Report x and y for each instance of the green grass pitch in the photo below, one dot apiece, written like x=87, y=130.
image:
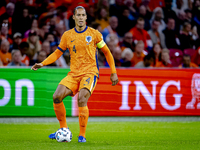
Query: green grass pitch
x=104, y=135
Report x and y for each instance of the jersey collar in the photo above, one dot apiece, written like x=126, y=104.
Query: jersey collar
x=81, y=31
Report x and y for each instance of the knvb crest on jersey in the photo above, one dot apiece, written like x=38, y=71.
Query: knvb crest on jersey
x=88, y=39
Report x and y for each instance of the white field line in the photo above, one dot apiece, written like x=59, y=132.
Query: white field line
x=99, y=119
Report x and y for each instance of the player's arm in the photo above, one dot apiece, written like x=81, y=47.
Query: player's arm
x=110, y=61
x=50, y=59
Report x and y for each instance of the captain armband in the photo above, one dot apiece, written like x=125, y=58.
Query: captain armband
x=101, y=44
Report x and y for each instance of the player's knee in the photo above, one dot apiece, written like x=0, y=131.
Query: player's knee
x=57, y=98
x=83, y=97
x=82, y=101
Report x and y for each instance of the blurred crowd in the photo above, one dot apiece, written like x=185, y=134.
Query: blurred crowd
x=139, y=33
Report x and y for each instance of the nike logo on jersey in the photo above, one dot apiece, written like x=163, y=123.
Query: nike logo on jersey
x=72, y=40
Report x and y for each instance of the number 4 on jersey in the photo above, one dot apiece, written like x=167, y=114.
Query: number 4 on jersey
x=74, y=49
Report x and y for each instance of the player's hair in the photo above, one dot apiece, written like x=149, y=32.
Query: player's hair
x=78, y=7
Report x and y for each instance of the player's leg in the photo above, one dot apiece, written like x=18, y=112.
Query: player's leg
x=67, y=86
x=59, y=108
x=83, y=97
x=87, y=86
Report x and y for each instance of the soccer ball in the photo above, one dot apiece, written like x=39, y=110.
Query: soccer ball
x=63, y=135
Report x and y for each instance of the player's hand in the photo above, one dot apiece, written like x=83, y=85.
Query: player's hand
x=36, y=66
x=114, y=79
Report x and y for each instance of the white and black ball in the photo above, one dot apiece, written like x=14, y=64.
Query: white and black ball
x=63, y=135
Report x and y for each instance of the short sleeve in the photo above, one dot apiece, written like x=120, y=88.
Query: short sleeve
x=63, y=42
x=99, y=40
x=99, y=37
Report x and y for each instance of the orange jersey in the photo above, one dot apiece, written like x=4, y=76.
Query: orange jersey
x=83, y=50
x=25, y=60
x=5, y=58
x=140, y=35
x=160, y=64
x=157, y=63
x=136, y=59
x=192, y=65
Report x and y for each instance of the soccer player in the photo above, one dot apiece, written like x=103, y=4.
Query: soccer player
x=82, y=42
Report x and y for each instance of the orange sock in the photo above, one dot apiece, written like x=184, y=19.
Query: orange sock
x=60, y=114
x=83, y=119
